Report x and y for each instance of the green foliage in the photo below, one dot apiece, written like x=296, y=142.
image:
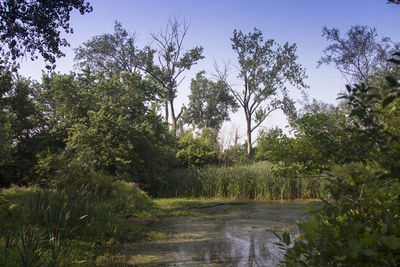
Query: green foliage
x=109, y=52
x=197, y=151
x=30, y=26
x=5, y=125
x=21, y=120
x=235, y=155
x=359, y=226
x=321, y=139
x=48, y=227
x=209, y=103
x=264, y=67
x=359, y=53
x=129, y=198
x=274, y=146
x=102, y=125
x=257, y=181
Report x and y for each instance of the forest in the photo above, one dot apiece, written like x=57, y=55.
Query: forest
x=87, y=157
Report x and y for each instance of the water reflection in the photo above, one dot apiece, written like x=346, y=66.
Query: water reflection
x=240, y=236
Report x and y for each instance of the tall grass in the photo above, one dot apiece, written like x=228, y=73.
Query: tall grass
x=45, y=227
x=256, y=181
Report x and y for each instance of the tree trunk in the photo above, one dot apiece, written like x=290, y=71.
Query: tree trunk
x=248, y=132
x=174, y=119
x=249, y=147
x=166, y=111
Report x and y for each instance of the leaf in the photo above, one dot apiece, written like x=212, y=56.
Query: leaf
x=355, y=246
x=391, y=242
x=286, y=238
x=83, y=217
x=309, y=229
x=370, y=252
x=341, y=258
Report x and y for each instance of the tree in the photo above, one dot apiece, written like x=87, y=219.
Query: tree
x=172, y=61
x=21, y=123
x=164, y=65
x=359, y=54
x=209, y=103
x=30, y=26
x=265, y=68
x=109, y=52
x=6, y=83
x=107, y=126
x=195, y=151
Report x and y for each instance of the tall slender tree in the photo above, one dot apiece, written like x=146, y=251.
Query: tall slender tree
x=265, y=68
x=172, y=60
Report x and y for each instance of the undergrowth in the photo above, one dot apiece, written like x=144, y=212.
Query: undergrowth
x=46, y=227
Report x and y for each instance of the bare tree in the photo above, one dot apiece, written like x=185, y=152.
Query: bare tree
x=168, y=61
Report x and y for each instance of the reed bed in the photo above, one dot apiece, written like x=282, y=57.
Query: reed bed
x=46, y=227
x=256, y=181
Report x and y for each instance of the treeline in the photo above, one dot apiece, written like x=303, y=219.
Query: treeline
x=115, y=118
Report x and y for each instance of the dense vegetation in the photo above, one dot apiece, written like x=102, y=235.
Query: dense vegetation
x=359, y=224
x=256, y=181
x=81, y=153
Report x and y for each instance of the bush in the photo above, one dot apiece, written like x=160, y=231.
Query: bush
x=360, y=227
x=197, y=151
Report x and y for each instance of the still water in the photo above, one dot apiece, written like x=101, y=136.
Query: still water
x=232, y=234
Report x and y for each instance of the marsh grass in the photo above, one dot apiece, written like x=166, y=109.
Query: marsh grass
x=256, y=181
x=46, y=227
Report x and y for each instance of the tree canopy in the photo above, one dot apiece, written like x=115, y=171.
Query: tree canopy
x=210, y=103
x=265, y=69
x=169, y=60
x=359, y=53
x=28, y=27
x=109, y=52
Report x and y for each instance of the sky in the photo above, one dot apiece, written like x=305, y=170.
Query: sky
x=211, y=26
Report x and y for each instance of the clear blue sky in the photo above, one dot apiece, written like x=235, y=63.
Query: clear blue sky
x=213, y=21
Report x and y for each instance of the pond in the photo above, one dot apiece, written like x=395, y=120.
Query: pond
x=226, y=234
